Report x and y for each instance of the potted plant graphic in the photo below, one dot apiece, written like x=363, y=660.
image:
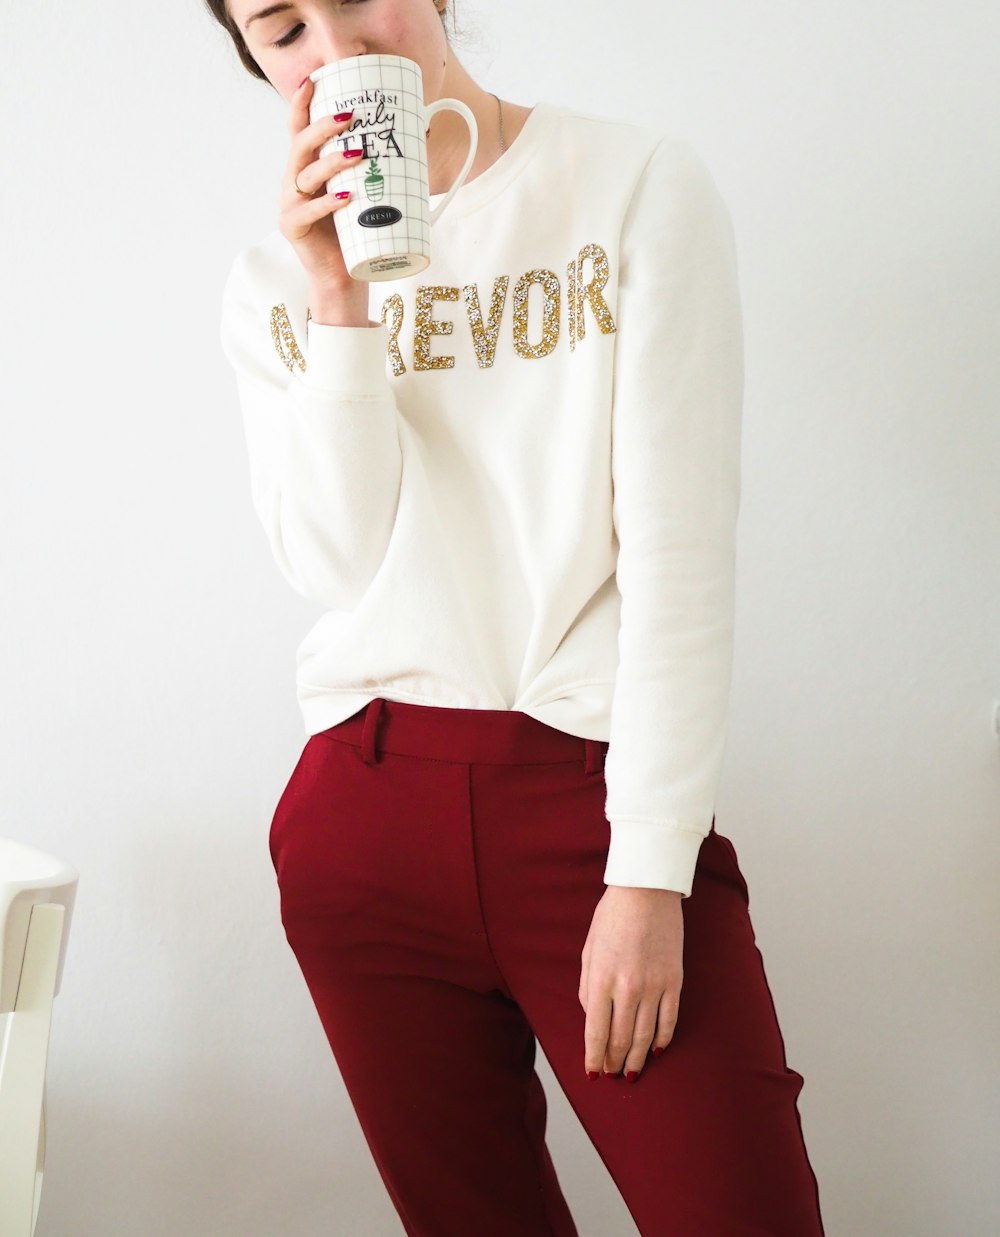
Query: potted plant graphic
x=374, y=181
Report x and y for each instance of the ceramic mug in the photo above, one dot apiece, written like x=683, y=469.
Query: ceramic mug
x=385, y=227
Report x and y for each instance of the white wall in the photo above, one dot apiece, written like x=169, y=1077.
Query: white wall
x=147, y=640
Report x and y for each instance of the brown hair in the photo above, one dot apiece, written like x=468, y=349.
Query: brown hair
x=220, y=11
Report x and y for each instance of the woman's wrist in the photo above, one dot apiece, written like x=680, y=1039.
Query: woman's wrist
x=330, y=305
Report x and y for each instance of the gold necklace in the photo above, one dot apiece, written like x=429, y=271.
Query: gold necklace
x=503, y=141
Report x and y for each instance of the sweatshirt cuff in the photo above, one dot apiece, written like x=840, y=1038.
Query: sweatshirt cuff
x=348, y=360
x=653, y=856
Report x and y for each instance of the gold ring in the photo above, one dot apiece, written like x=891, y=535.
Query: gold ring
x=295, y=182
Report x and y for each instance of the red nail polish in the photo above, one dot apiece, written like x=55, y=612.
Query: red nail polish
x=632, y=1075
x=657, y=1050
x=592, y=1073
x=303, y=82
x=343, y=116
x=608, y=1074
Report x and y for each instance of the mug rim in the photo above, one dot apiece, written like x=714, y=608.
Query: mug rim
x=326, y=69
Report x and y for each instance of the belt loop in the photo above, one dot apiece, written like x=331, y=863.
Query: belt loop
x=373, y=711
x=594, y=752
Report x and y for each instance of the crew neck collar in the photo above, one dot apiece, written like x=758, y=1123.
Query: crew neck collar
x=503, y=169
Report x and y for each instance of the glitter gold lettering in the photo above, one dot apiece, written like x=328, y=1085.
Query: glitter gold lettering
x=284, y=338
x=425, y=326
x=484, y=339
x=393, y=312
x=571, y=301
x=549, y=282
x=593, y=291
x=485, y=334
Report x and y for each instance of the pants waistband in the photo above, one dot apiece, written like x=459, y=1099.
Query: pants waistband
x=485, y=736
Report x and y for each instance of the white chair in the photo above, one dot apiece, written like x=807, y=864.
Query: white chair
x=36, y=905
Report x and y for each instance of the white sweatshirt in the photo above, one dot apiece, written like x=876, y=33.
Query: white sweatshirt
x=517, y=487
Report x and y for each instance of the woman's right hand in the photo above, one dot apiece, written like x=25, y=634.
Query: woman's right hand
x=307, y=223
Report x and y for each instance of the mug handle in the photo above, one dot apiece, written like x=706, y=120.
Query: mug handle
x=454, y=105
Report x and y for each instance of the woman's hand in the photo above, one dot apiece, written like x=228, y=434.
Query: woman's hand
x=306, y=222
x=631, y=979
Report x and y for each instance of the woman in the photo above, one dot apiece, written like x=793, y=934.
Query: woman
x=523, y=534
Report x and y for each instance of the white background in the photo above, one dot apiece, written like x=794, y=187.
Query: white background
x=147, y=640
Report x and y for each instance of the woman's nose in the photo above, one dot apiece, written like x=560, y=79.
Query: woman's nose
x=332, y=46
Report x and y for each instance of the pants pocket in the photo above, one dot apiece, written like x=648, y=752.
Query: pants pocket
x=290, y=801
x=732, y=862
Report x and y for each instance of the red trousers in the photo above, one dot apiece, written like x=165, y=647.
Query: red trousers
x=438, y=871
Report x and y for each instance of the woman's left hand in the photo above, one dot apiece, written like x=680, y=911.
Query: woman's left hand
x=631, y=978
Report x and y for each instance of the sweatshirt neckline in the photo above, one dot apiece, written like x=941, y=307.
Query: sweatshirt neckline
x=503, y=169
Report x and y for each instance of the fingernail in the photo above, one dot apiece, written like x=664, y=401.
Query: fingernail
x=343, y=116
x=608, y=1074
x=303, y=82
x=657, y=1050
x=632, y=1075
x=592, y=1074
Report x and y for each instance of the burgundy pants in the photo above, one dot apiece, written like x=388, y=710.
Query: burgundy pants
x=438, y=871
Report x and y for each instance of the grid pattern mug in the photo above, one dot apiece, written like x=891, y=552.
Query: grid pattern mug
x=385, y=228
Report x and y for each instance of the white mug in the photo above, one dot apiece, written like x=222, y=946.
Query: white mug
x=385, y=227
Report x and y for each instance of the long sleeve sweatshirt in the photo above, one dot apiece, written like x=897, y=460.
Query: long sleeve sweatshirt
x=517, y=487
